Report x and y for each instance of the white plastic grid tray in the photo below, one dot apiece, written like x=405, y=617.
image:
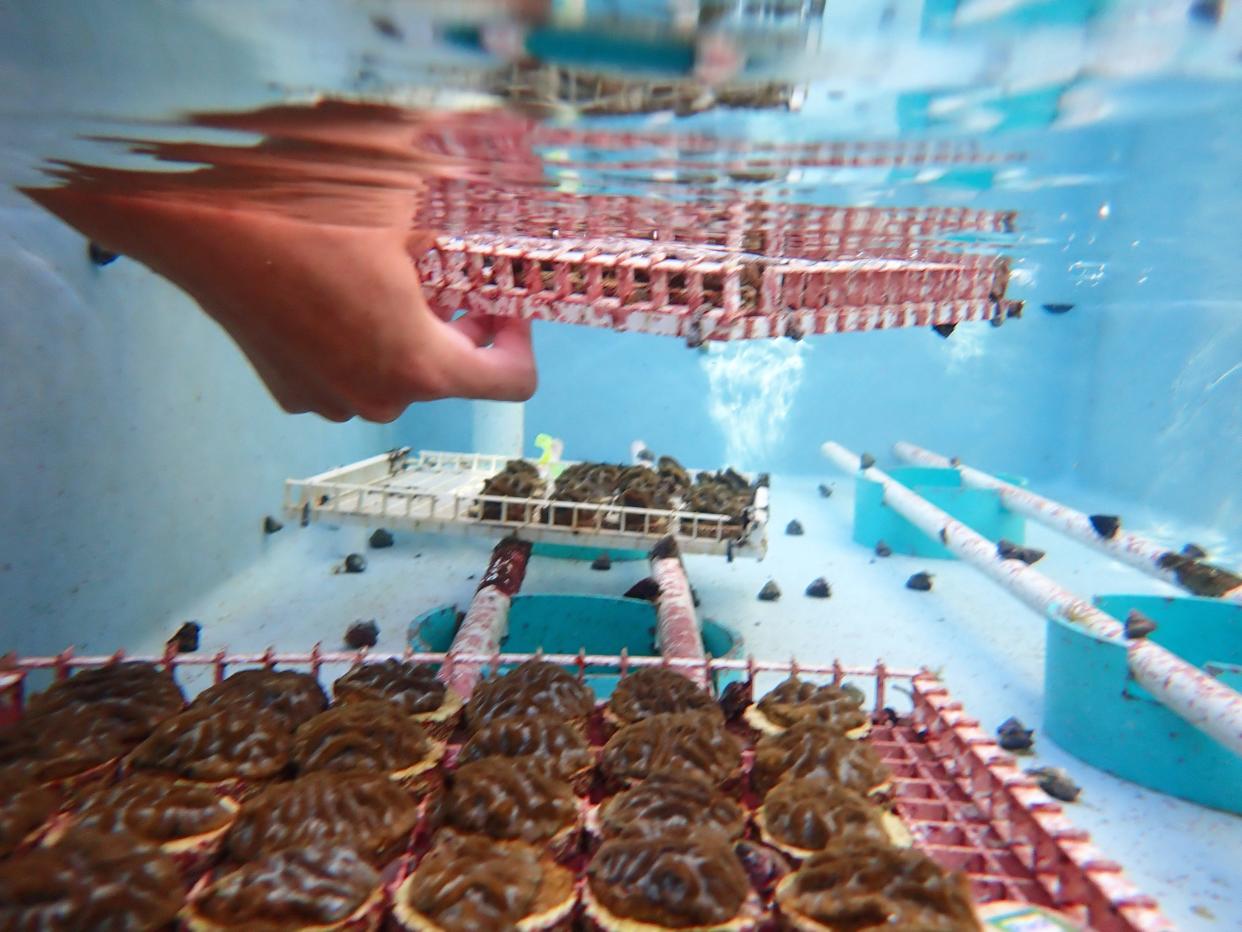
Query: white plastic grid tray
x=442, y=493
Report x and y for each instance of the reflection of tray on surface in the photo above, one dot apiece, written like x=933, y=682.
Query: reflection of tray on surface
x=441, y=492
x=965, y=801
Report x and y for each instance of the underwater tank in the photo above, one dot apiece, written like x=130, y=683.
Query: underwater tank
x=891, y=347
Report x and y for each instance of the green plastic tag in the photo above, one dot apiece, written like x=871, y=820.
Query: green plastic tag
x=1023, y=917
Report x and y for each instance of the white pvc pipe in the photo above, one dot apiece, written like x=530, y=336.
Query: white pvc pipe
x=1128, y=548
x=1204, y=702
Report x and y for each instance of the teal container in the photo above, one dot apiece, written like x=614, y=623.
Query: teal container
x=1095, y=710
x=979, y=509
x=586, y=554
x=563, y=624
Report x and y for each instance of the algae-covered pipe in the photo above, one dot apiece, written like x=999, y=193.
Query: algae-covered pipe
x=678, y=635
x=1195, y=576
x=487, y=619
x=1204, y=702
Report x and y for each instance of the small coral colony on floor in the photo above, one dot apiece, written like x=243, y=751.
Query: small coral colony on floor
x=264, y=804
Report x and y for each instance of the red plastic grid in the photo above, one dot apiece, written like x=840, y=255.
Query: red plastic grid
x=1017, y=836
x=511, y=243
x=964, y=799
x=700, y=293
x=707, y=270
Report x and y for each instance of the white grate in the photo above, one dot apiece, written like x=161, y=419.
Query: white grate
x=442, y=492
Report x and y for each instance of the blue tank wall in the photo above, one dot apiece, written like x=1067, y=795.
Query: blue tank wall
x=1165, y=423
x=140, y=452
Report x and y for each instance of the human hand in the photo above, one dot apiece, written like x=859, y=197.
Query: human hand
x=332, y=318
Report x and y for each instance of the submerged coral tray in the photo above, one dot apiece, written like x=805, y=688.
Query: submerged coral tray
x=587, y=504
x=559, y=795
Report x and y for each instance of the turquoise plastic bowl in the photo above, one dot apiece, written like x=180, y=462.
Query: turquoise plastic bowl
x=978, y=509
x=1095, y=710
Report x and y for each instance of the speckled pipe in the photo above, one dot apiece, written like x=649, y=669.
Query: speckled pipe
x=1204, y=702
x=487, y=619
x=1129, y=548
x=678, y=635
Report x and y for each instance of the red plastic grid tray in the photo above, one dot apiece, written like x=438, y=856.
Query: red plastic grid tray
x=700, y=293
x=726, y=261
x=964, y=799
x=708, y=270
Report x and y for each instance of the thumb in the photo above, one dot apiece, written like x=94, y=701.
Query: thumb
x=418, y=241
x=504, y=371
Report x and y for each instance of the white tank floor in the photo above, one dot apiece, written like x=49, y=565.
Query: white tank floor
x=987, y=647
